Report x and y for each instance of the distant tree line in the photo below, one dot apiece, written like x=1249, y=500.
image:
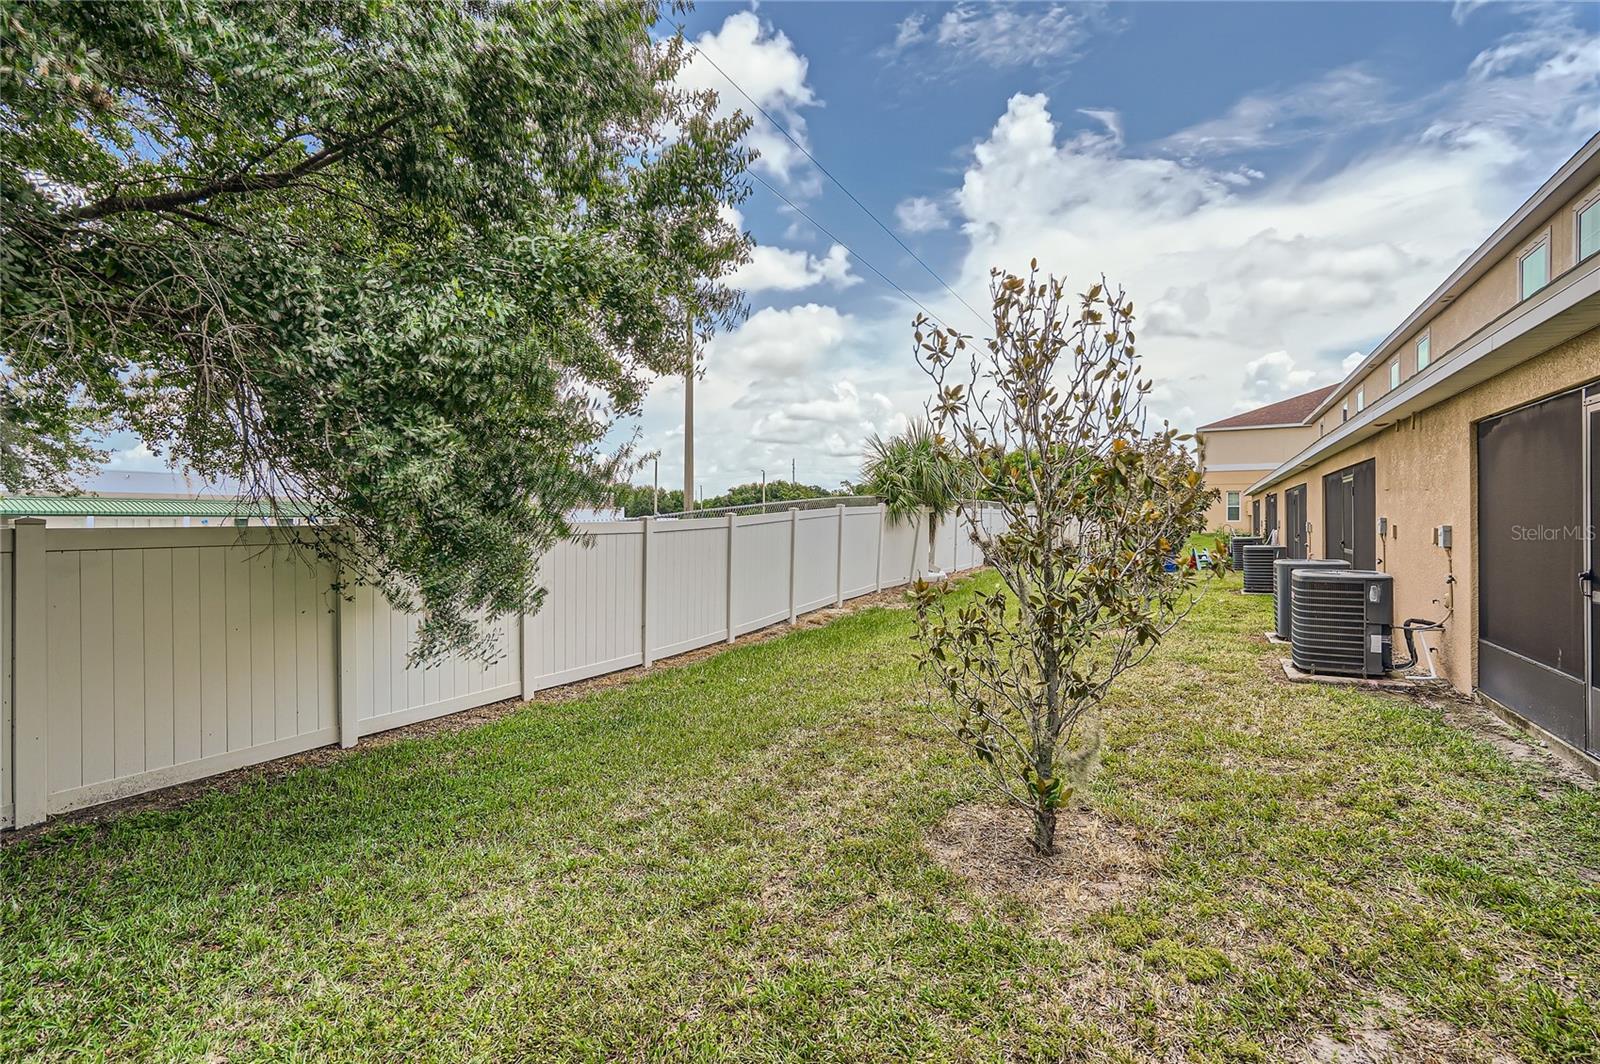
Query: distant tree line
x=639, y=500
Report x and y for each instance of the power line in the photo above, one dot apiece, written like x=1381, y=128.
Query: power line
x=863, y=260
x=829, y=174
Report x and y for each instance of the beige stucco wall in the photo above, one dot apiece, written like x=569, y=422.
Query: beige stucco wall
x=1224, y=482
x=1267, y=448
x=1257, y=451
x=1490, y=296
x=1426, y=469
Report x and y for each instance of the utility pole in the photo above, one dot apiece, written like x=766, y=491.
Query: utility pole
x=763, y=491
x=792, y=478
x=655, y=494
x=688, y=420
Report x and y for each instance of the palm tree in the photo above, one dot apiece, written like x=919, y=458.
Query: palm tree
x=910, y=471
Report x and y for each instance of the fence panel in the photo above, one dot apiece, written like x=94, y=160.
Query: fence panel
x=904, y=549
x=688, y=597
x=966, y=550
x=816, y=559
x=944, y=549
x=862, y=528
x=592, y=619
x=173, y=655
x=136, y=658
x=761, y=557
x=389, y=692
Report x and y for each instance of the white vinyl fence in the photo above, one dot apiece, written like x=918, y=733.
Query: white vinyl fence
x=137, y=658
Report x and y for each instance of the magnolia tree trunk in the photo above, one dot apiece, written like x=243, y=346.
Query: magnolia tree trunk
x=1047, y=418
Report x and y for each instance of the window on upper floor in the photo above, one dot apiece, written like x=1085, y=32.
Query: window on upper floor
x=1424, y=351
x=1233, y=506
x=1394, y=374
x=1533, y=269
x=1589, y=228
x=1344, y=411
x=1361, y=399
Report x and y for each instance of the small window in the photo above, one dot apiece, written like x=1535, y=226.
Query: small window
x=1361, y=399
x=1233, y=506
x=1534, y=267
x=1394, y=374
x=1344, y=411
x=1424, y=351
x=1589, y=229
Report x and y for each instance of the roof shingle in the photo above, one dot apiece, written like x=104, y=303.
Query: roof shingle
x=1291, y=411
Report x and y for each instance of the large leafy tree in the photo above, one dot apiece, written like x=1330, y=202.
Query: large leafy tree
x=402, y=263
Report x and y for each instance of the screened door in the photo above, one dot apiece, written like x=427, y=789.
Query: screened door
x=1533, y=598
x=1272, y=517
x=1349, y=515
x=1294, y=521
x=1255, y=517
x=1589, y=586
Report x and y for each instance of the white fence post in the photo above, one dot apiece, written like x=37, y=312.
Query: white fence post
x=344, y=688
x=649, y=526
x=877, y=579
x=524, y=655
x=794, y=539
x=30, y=773
x=838, y=570
x=732, y=524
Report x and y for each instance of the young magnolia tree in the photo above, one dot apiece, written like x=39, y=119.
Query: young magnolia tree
x=1050, y=415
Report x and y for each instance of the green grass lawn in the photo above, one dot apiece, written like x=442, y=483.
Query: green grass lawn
x=731, y=860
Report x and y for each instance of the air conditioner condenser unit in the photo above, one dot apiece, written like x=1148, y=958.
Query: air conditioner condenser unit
x=1342, y=622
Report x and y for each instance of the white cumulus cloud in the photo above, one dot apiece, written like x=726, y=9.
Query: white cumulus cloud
x=763, y=62
x=920, y=214
x=787, y=270
x=1276, y=375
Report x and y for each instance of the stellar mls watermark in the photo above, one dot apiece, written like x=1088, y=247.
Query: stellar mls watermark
x=1551, y=533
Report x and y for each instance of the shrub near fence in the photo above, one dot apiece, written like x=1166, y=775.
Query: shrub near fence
x=137, y=658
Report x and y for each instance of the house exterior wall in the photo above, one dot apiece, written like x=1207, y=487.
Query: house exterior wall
x=1490, y=296
x=1234, y=459
x=1426, y=475
x=1224, y=482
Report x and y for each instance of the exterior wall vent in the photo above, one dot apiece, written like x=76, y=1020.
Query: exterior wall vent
x=1258, y=559
x=1283, y=571
x=1341, y=621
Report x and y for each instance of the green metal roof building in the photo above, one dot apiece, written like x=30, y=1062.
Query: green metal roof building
x=92, y=506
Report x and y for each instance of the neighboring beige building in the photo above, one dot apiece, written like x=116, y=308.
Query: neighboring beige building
x=1237, y=451
x=1463, y=457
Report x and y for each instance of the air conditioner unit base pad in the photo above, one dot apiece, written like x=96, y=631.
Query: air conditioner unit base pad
x=1393, y=682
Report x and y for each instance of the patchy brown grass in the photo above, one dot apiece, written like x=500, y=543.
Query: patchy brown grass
x=1096, y=865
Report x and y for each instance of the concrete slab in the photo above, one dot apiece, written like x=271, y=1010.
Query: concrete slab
x=1392, y=682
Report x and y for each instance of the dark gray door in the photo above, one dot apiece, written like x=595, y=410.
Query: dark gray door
x=1532, y=653
x=1349, y=515
x=1272, y=516
x=1255, y=517
x=1589, y=585
x=1294, y=521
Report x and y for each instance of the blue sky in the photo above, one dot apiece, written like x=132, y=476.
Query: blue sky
x=1276, y=185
